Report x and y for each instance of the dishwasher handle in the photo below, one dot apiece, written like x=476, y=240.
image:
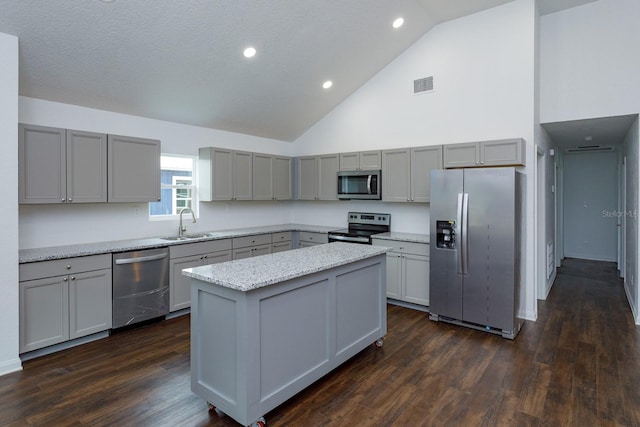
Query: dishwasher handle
x=140, y=259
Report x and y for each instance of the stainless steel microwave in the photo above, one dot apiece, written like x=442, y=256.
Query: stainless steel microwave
x=364, y=185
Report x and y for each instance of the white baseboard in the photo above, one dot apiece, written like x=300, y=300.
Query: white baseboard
x=10, y=366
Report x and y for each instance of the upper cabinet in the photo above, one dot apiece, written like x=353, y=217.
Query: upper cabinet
x=271, y=177
x=406, y=173
x=134, y=169
x=317, y=177
x=72, y=166
x=362, y=160
x=61, y=166
x=504, y=152
x=225, y=174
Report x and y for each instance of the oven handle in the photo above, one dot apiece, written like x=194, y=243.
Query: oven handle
x=349, y=239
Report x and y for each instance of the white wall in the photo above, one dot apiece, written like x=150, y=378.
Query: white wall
x=9, y=360
x=52, y=225
x=632, y=267
x=483, y=68
x=589, y=61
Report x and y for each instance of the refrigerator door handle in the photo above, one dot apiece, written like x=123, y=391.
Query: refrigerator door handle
x=459, y=232
x=465, y=234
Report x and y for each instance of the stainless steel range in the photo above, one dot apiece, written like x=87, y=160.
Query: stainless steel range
x=361, y=227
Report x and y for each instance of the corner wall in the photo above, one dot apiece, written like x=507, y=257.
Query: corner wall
x=632, y=267
x=9, y=359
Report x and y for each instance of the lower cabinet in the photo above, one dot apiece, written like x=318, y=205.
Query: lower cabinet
x=188, y=256
x=308, y=238
x=407, y=271
x=56, y=307
x=281, y=242
x=250, y=246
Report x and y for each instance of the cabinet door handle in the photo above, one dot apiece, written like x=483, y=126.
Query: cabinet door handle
x=73, y=277
x=205, y=257
x=62, y=200
x=68, y=267
x=65, y=279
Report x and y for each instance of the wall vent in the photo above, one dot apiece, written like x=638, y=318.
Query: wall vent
x=589, y=148
x=424, y=85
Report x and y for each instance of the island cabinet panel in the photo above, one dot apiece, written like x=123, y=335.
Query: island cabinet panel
x=252, y=350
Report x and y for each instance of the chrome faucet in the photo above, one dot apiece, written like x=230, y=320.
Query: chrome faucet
x=183, y=228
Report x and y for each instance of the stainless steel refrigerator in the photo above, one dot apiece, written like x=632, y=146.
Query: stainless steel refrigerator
x=475, y=248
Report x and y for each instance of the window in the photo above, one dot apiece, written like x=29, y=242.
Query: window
x=177, y=189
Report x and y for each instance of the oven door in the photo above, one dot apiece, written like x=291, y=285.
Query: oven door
x=359, y=185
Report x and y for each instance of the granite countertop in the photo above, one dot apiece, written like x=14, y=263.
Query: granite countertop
x=404, y=237
x=252, y=273
x=85, y=249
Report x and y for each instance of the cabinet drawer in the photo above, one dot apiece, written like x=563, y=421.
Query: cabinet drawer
x=190, y=249
x=257, y=239
x=61, y=267
x=284, y=236
x=306, y=236
x=403, y=247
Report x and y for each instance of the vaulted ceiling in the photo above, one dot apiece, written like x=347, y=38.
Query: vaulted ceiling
x=182, y=60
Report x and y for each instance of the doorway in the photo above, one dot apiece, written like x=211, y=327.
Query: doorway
x=590, y=202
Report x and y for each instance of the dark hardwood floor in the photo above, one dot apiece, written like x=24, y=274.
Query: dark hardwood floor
x=578, y=365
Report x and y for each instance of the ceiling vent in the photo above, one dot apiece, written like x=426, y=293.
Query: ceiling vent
x=424, y=85
x=582, y=148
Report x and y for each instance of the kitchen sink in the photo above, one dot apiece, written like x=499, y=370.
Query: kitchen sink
x=187, y=236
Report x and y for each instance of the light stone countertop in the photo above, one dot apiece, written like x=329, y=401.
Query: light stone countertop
x=252, y=273
x=85, y=249
x=404, y=237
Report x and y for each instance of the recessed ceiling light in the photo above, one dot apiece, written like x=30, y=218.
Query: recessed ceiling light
x=327, y=84
x=249, y=52
x=107, y=1
x=398, y=23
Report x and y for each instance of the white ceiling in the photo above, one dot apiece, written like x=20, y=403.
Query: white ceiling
x=181, y=60
x=598, y=132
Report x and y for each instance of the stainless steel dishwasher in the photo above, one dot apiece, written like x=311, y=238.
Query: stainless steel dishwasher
x=140, y=286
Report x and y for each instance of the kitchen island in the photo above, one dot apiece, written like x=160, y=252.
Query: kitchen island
x=264, y=328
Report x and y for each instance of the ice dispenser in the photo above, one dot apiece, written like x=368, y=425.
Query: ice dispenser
x=446, y=234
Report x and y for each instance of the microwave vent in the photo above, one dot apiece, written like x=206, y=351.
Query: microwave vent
x=424, y=85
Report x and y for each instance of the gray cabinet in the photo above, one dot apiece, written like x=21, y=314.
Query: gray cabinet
x=188, y=256
x=250, y=246
x=362, y=160
x=407, y=271
x=61, y=166
x=64, y=299
x=406, y=173
x=224, y=174
x=281, y=242
x=308, y=238
x=503, y=152
x=271, y=177
x=134, y=169
x=282, y=183
x=317, y=177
